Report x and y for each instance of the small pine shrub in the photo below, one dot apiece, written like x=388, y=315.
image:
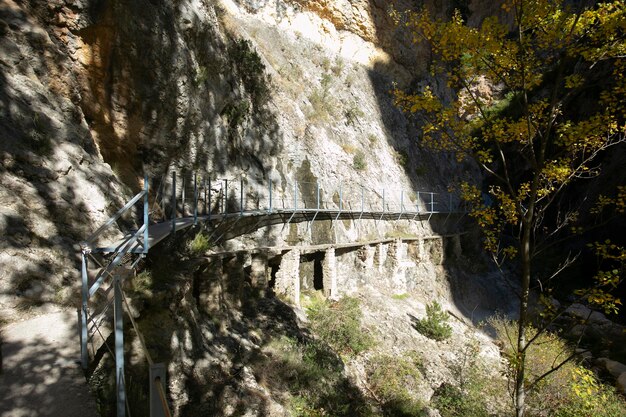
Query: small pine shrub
x=143, y=283
x=395, y=380
x=339, y=325
x=402, y=296
x=450, y=401
x=358, y=161
x=435, y=325
x=200, y=244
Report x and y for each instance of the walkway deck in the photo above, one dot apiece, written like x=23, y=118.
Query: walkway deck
x=41, y=376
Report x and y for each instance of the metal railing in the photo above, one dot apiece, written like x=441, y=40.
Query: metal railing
x=206, y=199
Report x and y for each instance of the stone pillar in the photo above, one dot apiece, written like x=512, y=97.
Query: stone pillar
x=421, y=254
x=380, y=256
x=209, y=286
x=259, y=272
x=288, y=276
x=329, y=274
x=366, y=255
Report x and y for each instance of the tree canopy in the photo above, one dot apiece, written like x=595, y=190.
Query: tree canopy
x=554, y=72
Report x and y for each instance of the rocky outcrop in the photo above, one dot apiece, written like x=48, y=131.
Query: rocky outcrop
x=53, y=184
x=94, y=94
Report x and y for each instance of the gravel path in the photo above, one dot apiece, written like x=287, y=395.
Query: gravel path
x=40, y=375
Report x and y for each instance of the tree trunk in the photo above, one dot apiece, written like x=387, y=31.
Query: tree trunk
x=520, y=389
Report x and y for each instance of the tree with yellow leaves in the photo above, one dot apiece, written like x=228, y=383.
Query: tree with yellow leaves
x=533, y=143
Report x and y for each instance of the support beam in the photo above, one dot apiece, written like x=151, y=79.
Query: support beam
x=288, y=276
x=84, y=353
x=119, y=348
x=329, y=274
x=157, y=386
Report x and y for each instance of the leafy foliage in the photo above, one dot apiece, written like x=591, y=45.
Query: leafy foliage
x=251, y=69
x=557, y=385
x=338, y=323
x=200, y=244
x=313, y=374
x=394, y=380
x=536, y=145
x=435, y=325
x=358, y=161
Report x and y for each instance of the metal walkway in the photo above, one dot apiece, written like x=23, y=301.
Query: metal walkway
x=221, y=204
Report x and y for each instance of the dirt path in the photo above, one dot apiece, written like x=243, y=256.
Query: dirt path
x=40, y=374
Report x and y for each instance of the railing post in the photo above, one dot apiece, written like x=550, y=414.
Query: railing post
x=295, y=195
x=205, y=193
x=318, y=195
x=157, y=383
x=383, y=213
x=210, y=208
x=195, y=198
x=174, y=202
x=225, y=197
x=182, y=212
x=362, y=202
x=401, y=204
x=432, y=202
x=146, y=220
x=241, y=197
x=119, y=348
x=340, y=197
x=84, y=353
x=270, y=202
x=418, y=201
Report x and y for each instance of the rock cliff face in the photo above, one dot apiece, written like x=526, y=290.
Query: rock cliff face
x=94, y=93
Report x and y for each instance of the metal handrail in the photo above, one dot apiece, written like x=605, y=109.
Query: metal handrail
x=87, y=242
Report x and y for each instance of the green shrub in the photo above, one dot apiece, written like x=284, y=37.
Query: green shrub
x=450, y=401
x=474, y=387
x=143, y=283
x=402, y=296
x=339, y=324
x=358, y=161
x=572, y=390
x=200, y=244
x=313, y=375
x=251, y=70
x=352, y=114
x=435, y=325
x=394, y=380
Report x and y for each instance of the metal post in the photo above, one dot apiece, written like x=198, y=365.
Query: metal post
x=417, y=206
x=362, y=202
x=173, y=202
x=205, y=195
x=225, y=201
x=340, y=197
x=241, y=197
x=84, y=354
x=401, y=204
x=146, y=220
x=119, y=347
x=195, y=199
x=432, y=202
x=318, y=195
x=182, y=209
x=295, y=195
x=157, y=383
x=270, y=187
x=383, y=213
x=210, y=208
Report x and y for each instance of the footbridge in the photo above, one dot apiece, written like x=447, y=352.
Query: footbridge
x=226, y=208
